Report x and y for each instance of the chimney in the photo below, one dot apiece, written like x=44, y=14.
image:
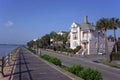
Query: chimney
x=85, y=19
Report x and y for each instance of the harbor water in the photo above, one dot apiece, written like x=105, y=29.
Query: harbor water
x=5, y=48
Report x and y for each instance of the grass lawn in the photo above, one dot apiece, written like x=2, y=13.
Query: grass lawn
x=112, y=64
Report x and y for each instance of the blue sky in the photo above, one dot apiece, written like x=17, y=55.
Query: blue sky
x=24, y=20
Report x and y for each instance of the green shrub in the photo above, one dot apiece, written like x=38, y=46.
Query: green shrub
x=77, y=49
x=52, y=59
x=46, y=57
x=86, y=74
x=112, y=64
x=75, y=69
x=116, y=56
x=55, y=61
x=69, y=50
x=90, y=74
x=33, y=51
x=51, y=47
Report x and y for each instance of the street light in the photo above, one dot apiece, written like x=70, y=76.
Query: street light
x=35, y=45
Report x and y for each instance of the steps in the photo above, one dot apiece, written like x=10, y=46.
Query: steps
x=82, y=52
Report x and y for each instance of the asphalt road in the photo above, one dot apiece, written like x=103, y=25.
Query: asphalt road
x=30, y=67
x=108, y=73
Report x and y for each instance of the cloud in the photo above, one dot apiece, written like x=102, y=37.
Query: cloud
x=8, y=24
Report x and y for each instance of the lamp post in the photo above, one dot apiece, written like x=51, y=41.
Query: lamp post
x=98, y=41
x=35, y=45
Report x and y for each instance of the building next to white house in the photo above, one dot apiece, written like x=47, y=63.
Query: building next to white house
x=85, y=35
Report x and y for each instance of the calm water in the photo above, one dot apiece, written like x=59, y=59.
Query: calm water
x=4, y=49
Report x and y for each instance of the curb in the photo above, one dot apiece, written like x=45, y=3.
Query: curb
x=66, y=73
x=14, y=67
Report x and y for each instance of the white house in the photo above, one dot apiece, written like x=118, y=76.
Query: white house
x=85, y=35
x=61, y=32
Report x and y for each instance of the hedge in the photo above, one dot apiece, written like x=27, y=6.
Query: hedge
x=90, y=74
x=85, y=73
x=75, y=69
x=52, y=59
x=33, y=51
x=116, y=56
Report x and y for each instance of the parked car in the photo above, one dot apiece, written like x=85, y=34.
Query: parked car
x=102, y=52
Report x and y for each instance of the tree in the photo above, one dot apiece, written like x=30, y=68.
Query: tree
x=31, y=44
x=45, y=41
x=118, y=38
x=114, y=24
x=103, y=24
x=118, y=44
x=64, y=40
x=55, y=36
x=111, y=38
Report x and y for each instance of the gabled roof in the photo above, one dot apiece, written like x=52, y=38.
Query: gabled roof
x=87, y=26
x=74, y=24
x=77, y=24
x=84, y=26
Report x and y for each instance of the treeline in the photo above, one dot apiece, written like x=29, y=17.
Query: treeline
x=54, y=41
x=45, y=41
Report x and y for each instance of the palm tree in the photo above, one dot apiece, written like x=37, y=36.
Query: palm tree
x=115, y=23
x=111, y=38
x=103, y=24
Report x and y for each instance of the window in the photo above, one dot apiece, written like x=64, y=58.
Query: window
x=74, y=29
x=75, y=44
x=85, y=35
x=96, y=45
x=75, y=36
x=101, y=45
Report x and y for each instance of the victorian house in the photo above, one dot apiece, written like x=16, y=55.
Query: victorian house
x=85, y=35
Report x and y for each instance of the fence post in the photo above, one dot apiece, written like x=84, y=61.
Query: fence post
x=2, y=67
x=8, y=59
x=39, y=52
x=10, y=55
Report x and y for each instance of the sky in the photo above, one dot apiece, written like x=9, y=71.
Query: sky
x=24, y=20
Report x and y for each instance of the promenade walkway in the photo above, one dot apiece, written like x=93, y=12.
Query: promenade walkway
x=29, y=67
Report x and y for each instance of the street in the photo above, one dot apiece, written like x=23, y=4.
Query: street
x=108, y=73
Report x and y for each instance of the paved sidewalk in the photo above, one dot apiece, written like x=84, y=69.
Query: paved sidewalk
x=29, y=67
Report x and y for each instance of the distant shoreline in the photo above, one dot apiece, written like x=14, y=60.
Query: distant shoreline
x=12, y=44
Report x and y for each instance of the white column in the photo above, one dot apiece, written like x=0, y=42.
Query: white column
x=78, y=32
x=88, y=48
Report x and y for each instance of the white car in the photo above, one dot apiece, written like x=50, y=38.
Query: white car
x=102, y=52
